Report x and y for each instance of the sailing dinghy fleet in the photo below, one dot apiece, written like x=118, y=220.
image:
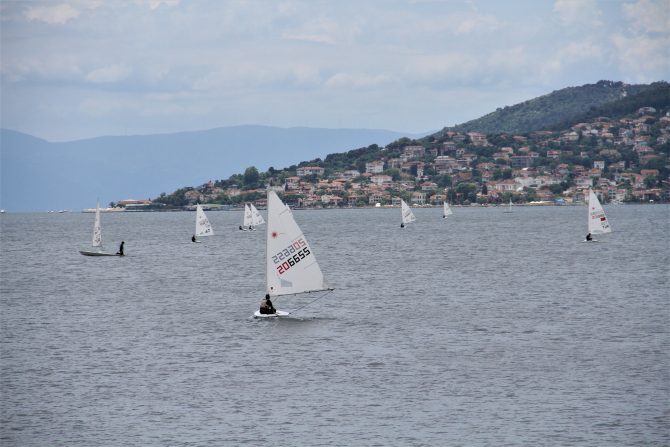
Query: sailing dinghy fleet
x=291, y=266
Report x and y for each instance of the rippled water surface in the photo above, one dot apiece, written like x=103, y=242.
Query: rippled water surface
x=484, y=329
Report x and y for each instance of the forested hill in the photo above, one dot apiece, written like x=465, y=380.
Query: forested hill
x=657, y=96
x=548, y=111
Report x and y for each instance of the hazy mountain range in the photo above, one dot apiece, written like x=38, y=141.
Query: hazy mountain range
x=37, y=175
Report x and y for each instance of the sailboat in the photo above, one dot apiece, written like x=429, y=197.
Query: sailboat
x=447, y=211
x=407, y=214
x=598, y=223
x=291, y=266
x=202, y=225
x=248, y=219
x=256, y=217
x=509, y=207
x=97, y=238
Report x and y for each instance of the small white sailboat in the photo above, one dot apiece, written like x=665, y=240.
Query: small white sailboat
x=407, y=214
x=509, y=207
x=256, y=217
x=447, y=211
x=202, y=225
x=247, y=222
x=291, y=266
x=598, y=223
x=97, y=238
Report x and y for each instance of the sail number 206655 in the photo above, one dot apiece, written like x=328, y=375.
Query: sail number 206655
x=291, y=255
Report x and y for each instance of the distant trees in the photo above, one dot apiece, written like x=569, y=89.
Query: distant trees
x=251, y=177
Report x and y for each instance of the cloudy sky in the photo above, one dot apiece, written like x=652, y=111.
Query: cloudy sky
x=81, y=68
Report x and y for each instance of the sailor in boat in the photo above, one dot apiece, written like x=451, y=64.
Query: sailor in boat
x=241, y=228
x=251, y=228
x=266, y=306
x=588, y=237
x=193, y=238
x=402, y=225
x=120, y=252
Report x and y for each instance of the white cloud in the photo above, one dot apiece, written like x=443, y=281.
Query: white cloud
x=53, y=15
x=642, y=59
x=357, y=80
x=573, y=12
x=109, y=74
x=572, y=53
x=323, y=31
x=155, y=4
x=649, y=16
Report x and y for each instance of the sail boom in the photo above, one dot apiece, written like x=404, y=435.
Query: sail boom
x=328, y=289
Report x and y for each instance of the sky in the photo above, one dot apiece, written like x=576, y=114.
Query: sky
x=74, y=69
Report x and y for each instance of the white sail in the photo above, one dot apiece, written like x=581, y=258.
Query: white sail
x=202, y=225
x=291, y=264
x=598, y=223
x=509, y=207
x=256, y=217
x=97, y=228
x=407, y=215
x=248, y=218
x=447, y=211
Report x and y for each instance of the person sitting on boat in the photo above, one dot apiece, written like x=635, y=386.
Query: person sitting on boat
x=588, y=237
x=402, y=225
x=251, y=228
x=266, y=306
x=193, y=238
x=241, y=228
x=120, y=252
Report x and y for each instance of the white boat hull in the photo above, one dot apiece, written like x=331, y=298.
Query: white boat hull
x=280, y=313
x=97, y=253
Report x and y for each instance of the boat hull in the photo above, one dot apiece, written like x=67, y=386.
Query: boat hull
x=280, y=313
x=97, y=253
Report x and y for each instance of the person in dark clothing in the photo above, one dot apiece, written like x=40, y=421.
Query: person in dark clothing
x=241, y=227
x=193, y=238
x=266, y=306
x=588, y=237
x=402, y=225
x=120, y=252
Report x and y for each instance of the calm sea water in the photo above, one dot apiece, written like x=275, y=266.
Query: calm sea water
x=484, y=329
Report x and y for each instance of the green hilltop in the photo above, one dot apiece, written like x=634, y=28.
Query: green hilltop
x=549, y=111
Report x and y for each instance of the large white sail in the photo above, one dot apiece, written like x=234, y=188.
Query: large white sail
x=202, y=225
x=97, y=229
x=407, y=214
x=598, y=223
x=291, y=264
x=256, y=217
x=447, y=211
x=248, y=218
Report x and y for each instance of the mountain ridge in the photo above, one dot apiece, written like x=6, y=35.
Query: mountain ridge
x=40, y=175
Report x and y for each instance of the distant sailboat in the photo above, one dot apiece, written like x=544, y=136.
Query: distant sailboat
x=291, y=266
x=509, y=207
x=247, y=220
x=96, y=241
x=447, y=211
x=202, y=225
x=407, y=215
x=256, y=217
x=598, y=223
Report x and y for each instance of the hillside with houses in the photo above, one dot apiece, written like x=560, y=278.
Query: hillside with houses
x=624, y=157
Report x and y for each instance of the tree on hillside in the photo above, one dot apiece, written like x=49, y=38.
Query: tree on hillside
x=251, y=176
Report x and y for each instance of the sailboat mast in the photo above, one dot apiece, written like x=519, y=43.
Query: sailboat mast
x=267, y=239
